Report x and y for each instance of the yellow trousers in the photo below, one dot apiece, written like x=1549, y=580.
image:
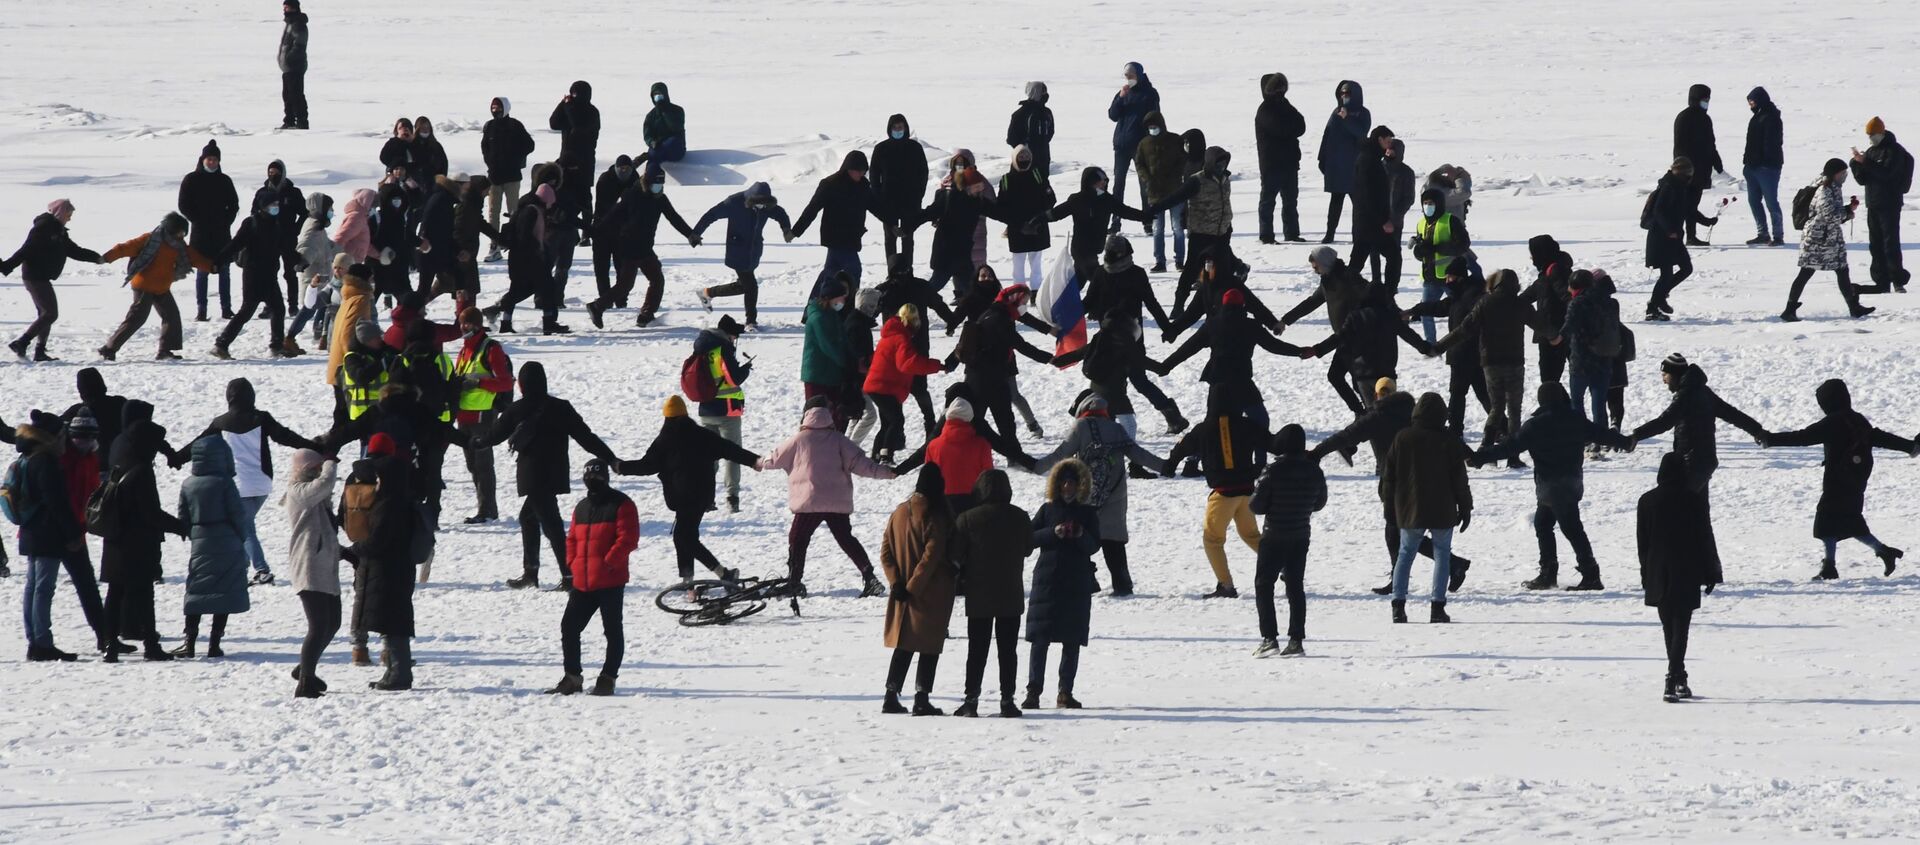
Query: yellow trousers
x=1213, y=535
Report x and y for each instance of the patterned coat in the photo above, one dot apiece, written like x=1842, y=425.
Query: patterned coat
x=1823, y=246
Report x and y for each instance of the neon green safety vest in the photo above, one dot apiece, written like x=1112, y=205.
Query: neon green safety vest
x=445, y=366
x=1438, y=232
x=724, y=385
x=360, y=395
x=476, y=398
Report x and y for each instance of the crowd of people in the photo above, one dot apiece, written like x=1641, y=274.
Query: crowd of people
x=407, y=392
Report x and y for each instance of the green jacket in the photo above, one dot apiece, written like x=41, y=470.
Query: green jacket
x=823, y=353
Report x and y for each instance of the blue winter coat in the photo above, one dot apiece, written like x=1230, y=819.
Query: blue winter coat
x=1060, y=606
x=1340, y=141
x=210, y=506
x=1129, y=111
x=744, y=239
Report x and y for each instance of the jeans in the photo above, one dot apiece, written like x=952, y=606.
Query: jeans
x=839, y=260
x=670, y=148
x=1592, y=378
x=1763, y=198
x=1285, y=185
x=1872, y=542
x=36, y=603
x=1431, y=292
x=1001, y=633
x=1037, y=666
x=250, y=537
x=1027, y=269
x=226, y=290
x=1675, y=624
x=1122, y=159
x=1179, y=215
x=1442, y=560
x=800, y=534
x=728, y=427
x=1282, y=559
x=581, y=606
x=1213, y=533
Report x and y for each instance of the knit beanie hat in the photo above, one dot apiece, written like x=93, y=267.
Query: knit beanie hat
x=675, y=407
x=961, y=410
x=1675, y=364
x=1323, y=257
x=1876, y=126
x=60, y=206
x=213, y=149
x=381, y=445
x=729, y=326
x=84, y=425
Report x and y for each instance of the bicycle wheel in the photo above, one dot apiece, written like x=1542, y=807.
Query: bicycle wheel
x=690, y=597
x=722, y=614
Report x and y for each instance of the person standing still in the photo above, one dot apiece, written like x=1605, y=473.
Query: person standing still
x=293, y=66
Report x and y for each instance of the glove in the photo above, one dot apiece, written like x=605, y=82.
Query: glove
x=1761, y=439
x=1708, y=589
x=386, y=256
x=949, y=366
x=899, y=593
x=1466, y=519
x=789, y=237
x=470, y=381
x=693, y=241
x=1347, y=454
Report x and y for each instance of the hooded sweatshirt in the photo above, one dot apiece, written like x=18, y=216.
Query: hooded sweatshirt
x=1766, y=138
x=505, y=145
x=1693, y=137
x=665, y=120
x=578, y=122
x=246, y=430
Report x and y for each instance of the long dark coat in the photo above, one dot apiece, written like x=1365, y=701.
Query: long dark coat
x=1849, y=441
x=1060, y=607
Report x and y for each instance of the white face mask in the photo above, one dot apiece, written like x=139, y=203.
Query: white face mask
x=1129, y=83
x=1428, y=209
x=1021, y=309
x=395, y=203
x=897, y=134
x=1153, y=130
x=1877, y=137
x=659, y=98
x=1703, y=105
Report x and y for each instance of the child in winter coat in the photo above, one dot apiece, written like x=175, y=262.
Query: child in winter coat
x=217, y=566
x=820, y=464
x=1288, y=494
x=991, y=541
x=326, y=266
x=605, y=531
x=914, y=554
x=1060, y=609
x=313, y=560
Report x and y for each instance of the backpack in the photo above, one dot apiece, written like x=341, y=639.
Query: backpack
x=1099, y=456
x=13, y=494
x=1606, y=337
x=1627, y=351
x=694, y=380
x=1646, y=210
x=1803, y=205
x=356, y=510
x=103, y=509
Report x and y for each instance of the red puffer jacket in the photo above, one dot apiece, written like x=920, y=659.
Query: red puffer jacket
x=82, y=471
x=606, y=528
x=962, y=455
x=896, y=362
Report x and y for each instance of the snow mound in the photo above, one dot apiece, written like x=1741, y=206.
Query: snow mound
x=61, y=114
x=216, y=129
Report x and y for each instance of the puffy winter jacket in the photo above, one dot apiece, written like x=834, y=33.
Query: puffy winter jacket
x=43, y=257
x=820, y=463
x=962, y=454
x=896, y=362
x=605, y=530
x=210, y=506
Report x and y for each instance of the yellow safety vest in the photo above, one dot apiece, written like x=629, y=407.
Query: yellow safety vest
x=724, y=385
x=1438, y=232
x=360, y=395
x=476, y=398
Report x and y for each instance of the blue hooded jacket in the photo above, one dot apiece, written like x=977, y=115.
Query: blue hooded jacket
x=1130, y=109
x=745, y=241
x=210, y=506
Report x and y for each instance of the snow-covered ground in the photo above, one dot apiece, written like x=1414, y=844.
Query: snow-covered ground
x=1535, y=717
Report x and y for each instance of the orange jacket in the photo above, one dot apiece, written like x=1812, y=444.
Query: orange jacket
x=157, y=277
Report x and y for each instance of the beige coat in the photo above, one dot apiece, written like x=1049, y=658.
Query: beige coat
x=914, y=552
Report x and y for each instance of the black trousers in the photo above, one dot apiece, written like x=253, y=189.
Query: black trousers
x=1335, y=203
x=998, y=632
x=800, y=535
x=1115, y=552
x=46, y=310
x=1670, y=277
x=687, y=547
x=899, y=239
x=80, y=571
x=219, y=630
x=323, y=621
x=256, y=293
x=1691, y=199
x=581, y=606
x=1282, y=559
x=540, y=514
x=1567, y=516
x=129, y=610
x=1370, y=245
x=1883, y=243
x=924, y=399
x=603, y=279
x=1553, y=362
x=293, y=97
x=1286, y=186
x=893, y=423
x=1844, y=277
x=747, y=287
x=1460, y=379
x=480, y=466
x=1675, y=623
x=922, y=680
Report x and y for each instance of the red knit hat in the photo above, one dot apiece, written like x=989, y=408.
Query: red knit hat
x=1236, y=298
x=381, y=445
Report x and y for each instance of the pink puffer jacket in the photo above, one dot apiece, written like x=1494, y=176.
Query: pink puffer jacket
x=353, y=236
x=820, y=464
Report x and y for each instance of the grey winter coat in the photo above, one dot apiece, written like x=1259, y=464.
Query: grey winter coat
x=293, y=44
x=1104, y=447
x=1823, y=246
x=210, y=506
x=313, y=556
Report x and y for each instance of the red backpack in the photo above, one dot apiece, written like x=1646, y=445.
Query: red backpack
x=694, y=380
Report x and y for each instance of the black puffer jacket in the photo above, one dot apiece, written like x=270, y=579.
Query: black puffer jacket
x=538, y=427
x=683, y=455
x=1277, y=127
x=1766, y=137
x=1232, y=451
x=1500, y=321
x=210, y=204
x=842, y=205
x=578, y=122
x=1092, y=211
x=43, y=257
x=899, y=173
x=1693, y=138
x=1692, y=416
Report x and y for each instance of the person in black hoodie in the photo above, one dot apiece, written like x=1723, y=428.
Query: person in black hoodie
x=1277, y=127
x=393, y=224
x=292, y=217
x=430, y=158
x=247, y=431
x=607, y=190
x=900, y=179
x=1092, y=210
x=1289, y=492
x=538, y=428
x=259, y=238
x=529, y=267
x=1761, y=164
x=1557, y=436
x=1549, y=296
x=398, y=151
x=1678, y=558
x=577, y=120
x=504, y=147
x=986, y=347
x=41, y=260
x=1120, y=289
x=684, y=455
x=1365, y=342
x=1025, y=193
x=1465, y=287
x=1340, y=144
x=1692, y=416
x=130, y=554
x=1032, y=127
x=634, y=223
x=1232, y=447
x=1374, y=232
x=292, y=58
x=1668, y=214
x=1849, y=440
x=1885, y=170
x=842, y=201
x=107, y=409
x=209, y=202
x=1693, y=141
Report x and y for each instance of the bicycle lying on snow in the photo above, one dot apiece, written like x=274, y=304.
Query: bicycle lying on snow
x=719, y=602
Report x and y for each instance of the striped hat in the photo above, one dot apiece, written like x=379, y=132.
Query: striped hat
x=1675, y=363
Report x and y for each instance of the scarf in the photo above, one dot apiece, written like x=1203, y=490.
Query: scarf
x=149, y=250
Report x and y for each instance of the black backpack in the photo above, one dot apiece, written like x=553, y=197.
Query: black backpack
x=1607, y=342
x=1646, y=210
x=103, y=509
x=1803, y=205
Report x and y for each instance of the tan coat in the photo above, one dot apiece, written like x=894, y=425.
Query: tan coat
x=914, y=553
x=356, y=305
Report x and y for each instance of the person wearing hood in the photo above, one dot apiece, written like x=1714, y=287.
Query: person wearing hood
x=293, y=65
x=1277, y=127
x=216, y=525
x=209, y=202
x=1617, y=385
x=1066, y=530
x=384, y=575
x=725, y=413
x=577, y=120
x=665, y=128
x=1342, y=291
x=1692, y=416
x=607, y=191
x=292, y=217
x=979, y=299
x=1032, y=127
x=430, y=159
x=1206, y=202
x=1232, y=447
x=1162, y=162
x=539, y=426
x=1092, y=209
x=326, y=265
x=1024, y=194
x=990, y=545
x=1365, y=343
x=133, y=526
x=1678, y=561
x=1375, y=232
x=1340, y=147
x=1885, y=171
x=49, y=533
x=398, y=151
x=604, y=534
x=1761, y=165
x=355, y=233
x=1591, y=339
x=394, y=229
x=916, y=557
x=469, y=223
x=684, y=455
x=1464, y=289
x=1455, y=184
x=483, y=374
x=820, y=464
x=107, y=410
x=529, y=263
x=156, y=261
x=504, y=147
x=441, y=269
x=1440, y=239
x=1136, y=99
x=356, y=307
x=41, y=259
x=1290, y=491
x=896, y=363
x=962, y=451
x=1499, y=321
x=987, y=346
x=900, y=181
x=1230, y=335
x=364, y=371
x=261, y=249
x=633, y=224
x=1848, y=440
x=746, y=214
x=1425, y=479
x=1693, y=141
x=1667, y=215
x=1117, y=356
x=1549, y=294
x=824, y=359
x=842, y=201
x=1103, y=440
x=313, y=560
x=1557, y=436
x=247, y=431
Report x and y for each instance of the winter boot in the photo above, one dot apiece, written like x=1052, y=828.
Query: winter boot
x=1457, y=573
x=1760, y=240
x=1589, y=580
x=1668, y=695
x=1890, y=556
x=318, y=684
x=1032, y=701
x=1294, y=648
x=1175, y=422
x=602, y=686
x=1682, y=691
x=526, y=580
x=890, y=705
x=506, y=325
x=873, y=587
x=1007, y=710
x=1065, y=701
x=641, y=321
x=594, y=312
x=1384, y=589
x=361, y=657
x=19, y=348
x=924, y=707
x=550, y=326
x=1792, y=314
x=569, y=685
x=733, y=504
x=220, y=352
x=1438, y=613
x=1827, y=572
x=113, y=646
x=155, y=652
x=40, y=355
x=1857, y=311
x=1268, y=648
x=290, y=348
x=1548, y=578
x=969, y=708
x=185, y=649
x=1222, y=591
x=1399, y=611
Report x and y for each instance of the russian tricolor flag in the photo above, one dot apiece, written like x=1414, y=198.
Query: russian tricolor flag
x=1059, y=303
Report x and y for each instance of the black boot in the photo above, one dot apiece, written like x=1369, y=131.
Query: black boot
x=1890, y=556
x=1032, y=701
x=969, y=708
x=1457, y=573
x=1065, y=701
x=602, y=686
x=570, y=684
x=1792, y=314
x=156, y=652
x=318, y=684
x=1175, y=422
x=873, y=587
x=1548, y=578
x=1589, y=580
x=1007, y=710
x=525, y=581
x=890, y=705
x=923, y=707
x=1827, y=572
x=1399, y=610
x=1438, y=613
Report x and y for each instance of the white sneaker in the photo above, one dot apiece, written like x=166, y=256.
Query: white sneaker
x=706, y=301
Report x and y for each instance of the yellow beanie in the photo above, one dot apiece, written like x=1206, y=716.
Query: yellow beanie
x=1876, y=126
x=676, y=407
x=1383, y=387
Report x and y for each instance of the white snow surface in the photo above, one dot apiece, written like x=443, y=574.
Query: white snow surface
x=1534, y=717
